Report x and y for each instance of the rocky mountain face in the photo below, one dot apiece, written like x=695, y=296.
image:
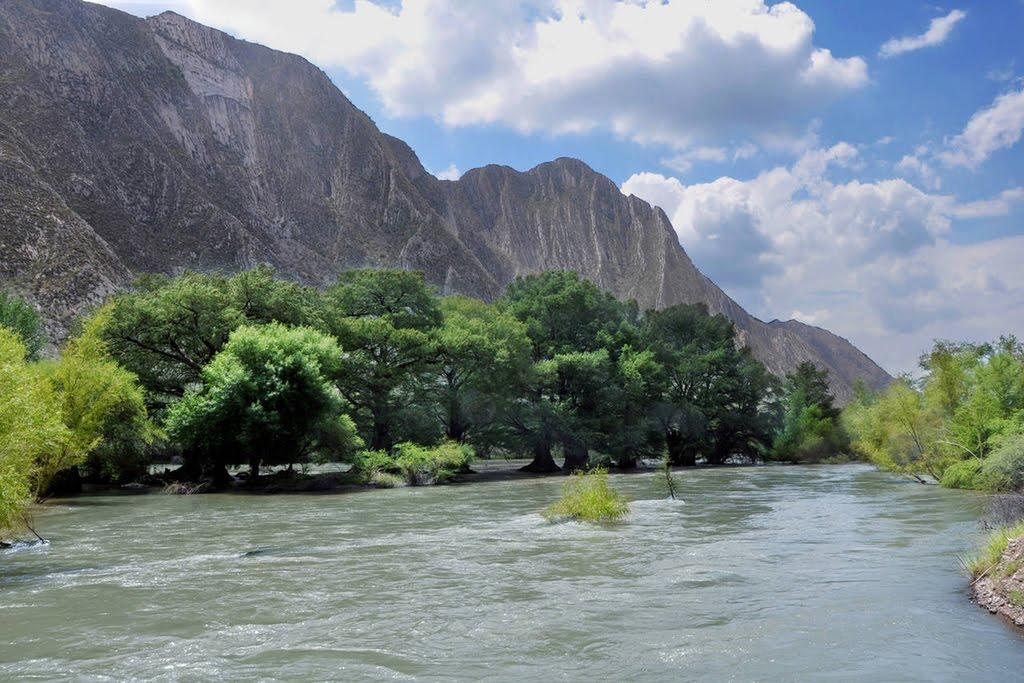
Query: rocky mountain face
x=131, y=145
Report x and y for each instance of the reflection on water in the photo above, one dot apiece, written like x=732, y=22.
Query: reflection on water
x=782, y=573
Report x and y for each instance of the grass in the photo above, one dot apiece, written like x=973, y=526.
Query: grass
x=992, y=551
x=1017, y=598
x=1010, y=569
x=588, y=497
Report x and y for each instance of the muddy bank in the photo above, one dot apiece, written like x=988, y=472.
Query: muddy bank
x=1001, y=589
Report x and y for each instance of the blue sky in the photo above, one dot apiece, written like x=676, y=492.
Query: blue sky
x=855, y=165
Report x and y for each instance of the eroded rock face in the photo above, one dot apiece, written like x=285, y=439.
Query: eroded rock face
x=131, y=145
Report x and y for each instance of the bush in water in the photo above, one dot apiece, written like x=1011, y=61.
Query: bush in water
x=588, y=497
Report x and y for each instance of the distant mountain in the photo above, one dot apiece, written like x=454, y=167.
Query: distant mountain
x=130, y=145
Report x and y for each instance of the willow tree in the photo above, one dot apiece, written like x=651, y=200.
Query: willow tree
x=30, y=430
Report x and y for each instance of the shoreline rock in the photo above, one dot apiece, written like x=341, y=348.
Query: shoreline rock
x=1001, y=590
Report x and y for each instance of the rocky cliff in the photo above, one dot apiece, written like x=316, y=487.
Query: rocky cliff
x=131, y=145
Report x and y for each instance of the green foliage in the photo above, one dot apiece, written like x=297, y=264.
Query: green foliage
x=103, y=406
x=812, y=431
x=711, y=396
x=963, y=475
x=557, y=365
x=1003, y=470
x=19, y=317
x=266, y=398
x=967, y=405
x=564, y=313
x=588, y=497
x=421, y=465
x=991, y=552
x=30, y=430
x=899, y=431
x=165, y=330
x=385, y=320
x=414, y=464
x=484, y=360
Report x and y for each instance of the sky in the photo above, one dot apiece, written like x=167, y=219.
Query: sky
x=857, y=166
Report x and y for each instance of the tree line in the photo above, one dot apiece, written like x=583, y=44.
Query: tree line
x=248, y=370
x=961, y=422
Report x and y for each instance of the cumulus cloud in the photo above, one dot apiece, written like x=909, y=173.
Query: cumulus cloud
x=450, y=173
x=938, y=31
x=873, y=261
x=666, y=71
x=996, y=127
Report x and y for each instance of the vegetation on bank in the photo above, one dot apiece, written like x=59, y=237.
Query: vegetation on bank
x=991, y=552
x=961, y=422
x=249, y=371
x=588, y=497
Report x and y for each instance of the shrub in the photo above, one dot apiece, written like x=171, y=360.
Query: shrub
x=1003, y=470
x=588, y=497
x=422, y=465
x=963, y=475
x=416, y=465
x=369, y=462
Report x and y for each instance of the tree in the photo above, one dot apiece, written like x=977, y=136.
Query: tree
x=103, y=407
x=265, y=399
x=165, y=330
x=484, y=357
x=995, y=394
x=30, y=429
x=711, y=399
x=386, y=320
x=577, y=332
x=811, y=429
x=17, y=316
x=564, y=313
x=899, y=431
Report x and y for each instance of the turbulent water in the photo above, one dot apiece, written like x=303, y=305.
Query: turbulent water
x=774, y=573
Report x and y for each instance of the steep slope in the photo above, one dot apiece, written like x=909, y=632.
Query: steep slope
x=157, y=145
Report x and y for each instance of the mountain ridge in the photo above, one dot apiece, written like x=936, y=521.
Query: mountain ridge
x=161, y=145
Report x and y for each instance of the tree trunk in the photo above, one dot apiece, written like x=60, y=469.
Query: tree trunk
x=678, y=453
x=455, y=427
x=577, y=457
x=542, y=461
x=254, y=469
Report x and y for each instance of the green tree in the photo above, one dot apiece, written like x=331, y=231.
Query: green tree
x=30, y=430
x=811, y=428
x=564, y=313
x=19, y=317
x=577, y=332
x=265, y=399
x=483, y=361
x=103, y=407
x=165, y=330
x=899, y=431
x=386, y=320
x=711, y=400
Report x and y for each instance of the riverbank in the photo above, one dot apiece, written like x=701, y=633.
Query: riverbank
x=1000, y=587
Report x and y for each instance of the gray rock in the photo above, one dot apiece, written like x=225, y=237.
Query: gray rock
x=131, y=145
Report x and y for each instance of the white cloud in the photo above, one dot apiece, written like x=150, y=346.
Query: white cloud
x=663, y=72
x=915, y=165
x=996, y=127
x=938, y=30
x=872, y=261
x=450, y=173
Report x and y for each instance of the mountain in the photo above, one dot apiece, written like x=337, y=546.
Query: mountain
x=131, y=145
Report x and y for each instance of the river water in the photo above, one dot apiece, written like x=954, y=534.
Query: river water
x=770, y=573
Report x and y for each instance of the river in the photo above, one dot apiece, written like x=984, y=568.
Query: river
x=767, y=573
